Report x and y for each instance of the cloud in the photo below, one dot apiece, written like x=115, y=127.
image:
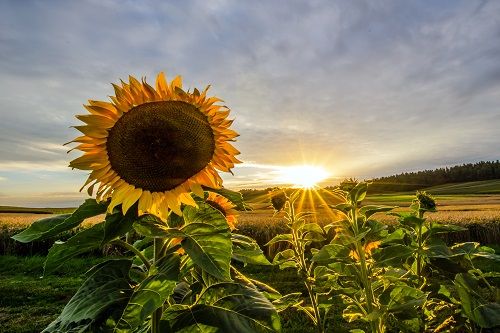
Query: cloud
x=33, y=166
x=366, y=88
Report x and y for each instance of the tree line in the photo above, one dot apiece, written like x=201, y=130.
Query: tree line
x=409, y=181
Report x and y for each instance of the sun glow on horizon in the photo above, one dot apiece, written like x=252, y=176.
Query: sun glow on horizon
x=305, y=176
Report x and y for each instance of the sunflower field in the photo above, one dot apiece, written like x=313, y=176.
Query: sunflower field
x=154, y=155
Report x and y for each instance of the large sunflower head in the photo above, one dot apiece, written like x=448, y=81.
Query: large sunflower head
x=226, y=207
x=154, y=145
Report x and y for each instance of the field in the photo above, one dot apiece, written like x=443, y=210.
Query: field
x=28, y=304
x=480, y=213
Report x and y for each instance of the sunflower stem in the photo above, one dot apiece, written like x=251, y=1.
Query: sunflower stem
x=131, y=248
x=156, y=317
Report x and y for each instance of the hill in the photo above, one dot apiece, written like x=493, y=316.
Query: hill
x=410, y=181
x=478, y=187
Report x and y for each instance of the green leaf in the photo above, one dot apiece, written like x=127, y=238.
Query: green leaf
x=437, y=228
x=150, y=294
x=283, y=256
x=287, y=301
x=104, y=293
x=352, y=313
x=84, y=241
x=87, y=240
x=411, y=220
x=466, y=248
x=312, y=227
x=269, y=292
x=436, y=248
x=369, y=210
x=52, y=226
x=247, y=251
x=208, y=240
x=343, y=207
x=230, y=307
x=152, y=226
x=397, y=236
x=392, y=255
x=206, y=237
x=330, y=252
x=280, y=238
x=358, y=193
x=476, y=308
x=405, y=298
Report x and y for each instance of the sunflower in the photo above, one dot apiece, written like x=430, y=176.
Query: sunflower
x=368, y=250
x=224, y=206
x=154, y=146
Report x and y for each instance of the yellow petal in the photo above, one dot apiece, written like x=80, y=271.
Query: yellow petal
x=176, y=83
x=145, y=202
x=197, y=190
x=118, y=195
x=185, y=198
x=131, y=199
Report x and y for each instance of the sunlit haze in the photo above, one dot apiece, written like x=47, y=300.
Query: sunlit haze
x=306, y=176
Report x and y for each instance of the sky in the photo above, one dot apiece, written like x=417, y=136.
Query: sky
x=362, y=88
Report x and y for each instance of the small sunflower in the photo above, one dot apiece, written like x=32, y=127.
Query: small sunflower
x=225, y=206
x=154, y=145
x=368, y=250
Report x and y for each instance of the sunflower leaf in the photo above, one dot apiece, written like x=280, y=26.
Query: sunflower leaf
x=228, y=306
x=104, y=294
x=247, y=251
x=87, y=240
x=150, y=294
x=207, y=240
x=51, y=226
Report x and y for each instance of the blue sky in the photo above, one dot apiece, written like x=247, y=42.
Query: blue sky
x=365, y=88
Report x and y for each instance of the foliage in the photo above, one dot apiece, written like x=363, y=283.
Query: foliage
x=186, y=274
x=399, y=280
x=177, y=271
x=300, y=237
x=484, y=170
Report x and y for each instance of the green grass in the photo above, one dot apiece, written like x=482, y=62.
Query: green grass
x=28, y=302
x=478, y=187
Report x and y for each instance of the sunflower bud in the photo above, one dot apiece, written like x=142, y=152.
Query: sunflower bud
x=278, y=200
x=425, y=201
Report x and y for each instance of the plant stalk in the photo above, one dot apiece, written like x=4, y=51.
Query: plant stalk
x=131, y=248
x=364, y=271
x=419, y=250
x=300, y=253
x=156, y=316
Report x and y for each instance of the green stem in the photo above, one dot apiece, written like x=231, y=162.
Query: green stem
x=366, y=281
x=131, y=248
x=299, y=251
x=419, y=250
x=480, y=273
x=156, y=317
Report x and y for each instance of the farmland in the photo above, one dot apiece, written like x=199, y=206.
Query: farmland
x=479, y=212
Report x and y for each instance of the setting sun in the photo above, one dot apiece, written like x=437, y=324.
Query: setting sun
x=305, y=176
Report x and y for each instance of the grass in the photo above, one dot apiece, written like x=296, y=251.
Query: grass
x=477, y=187
x=29, y=303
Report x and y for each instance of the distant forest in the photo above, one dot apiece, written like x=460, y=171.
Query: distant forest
x=409, y=181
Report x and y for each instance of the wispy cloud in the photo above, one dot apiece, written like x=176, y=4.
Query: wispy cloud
x=366, y=88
